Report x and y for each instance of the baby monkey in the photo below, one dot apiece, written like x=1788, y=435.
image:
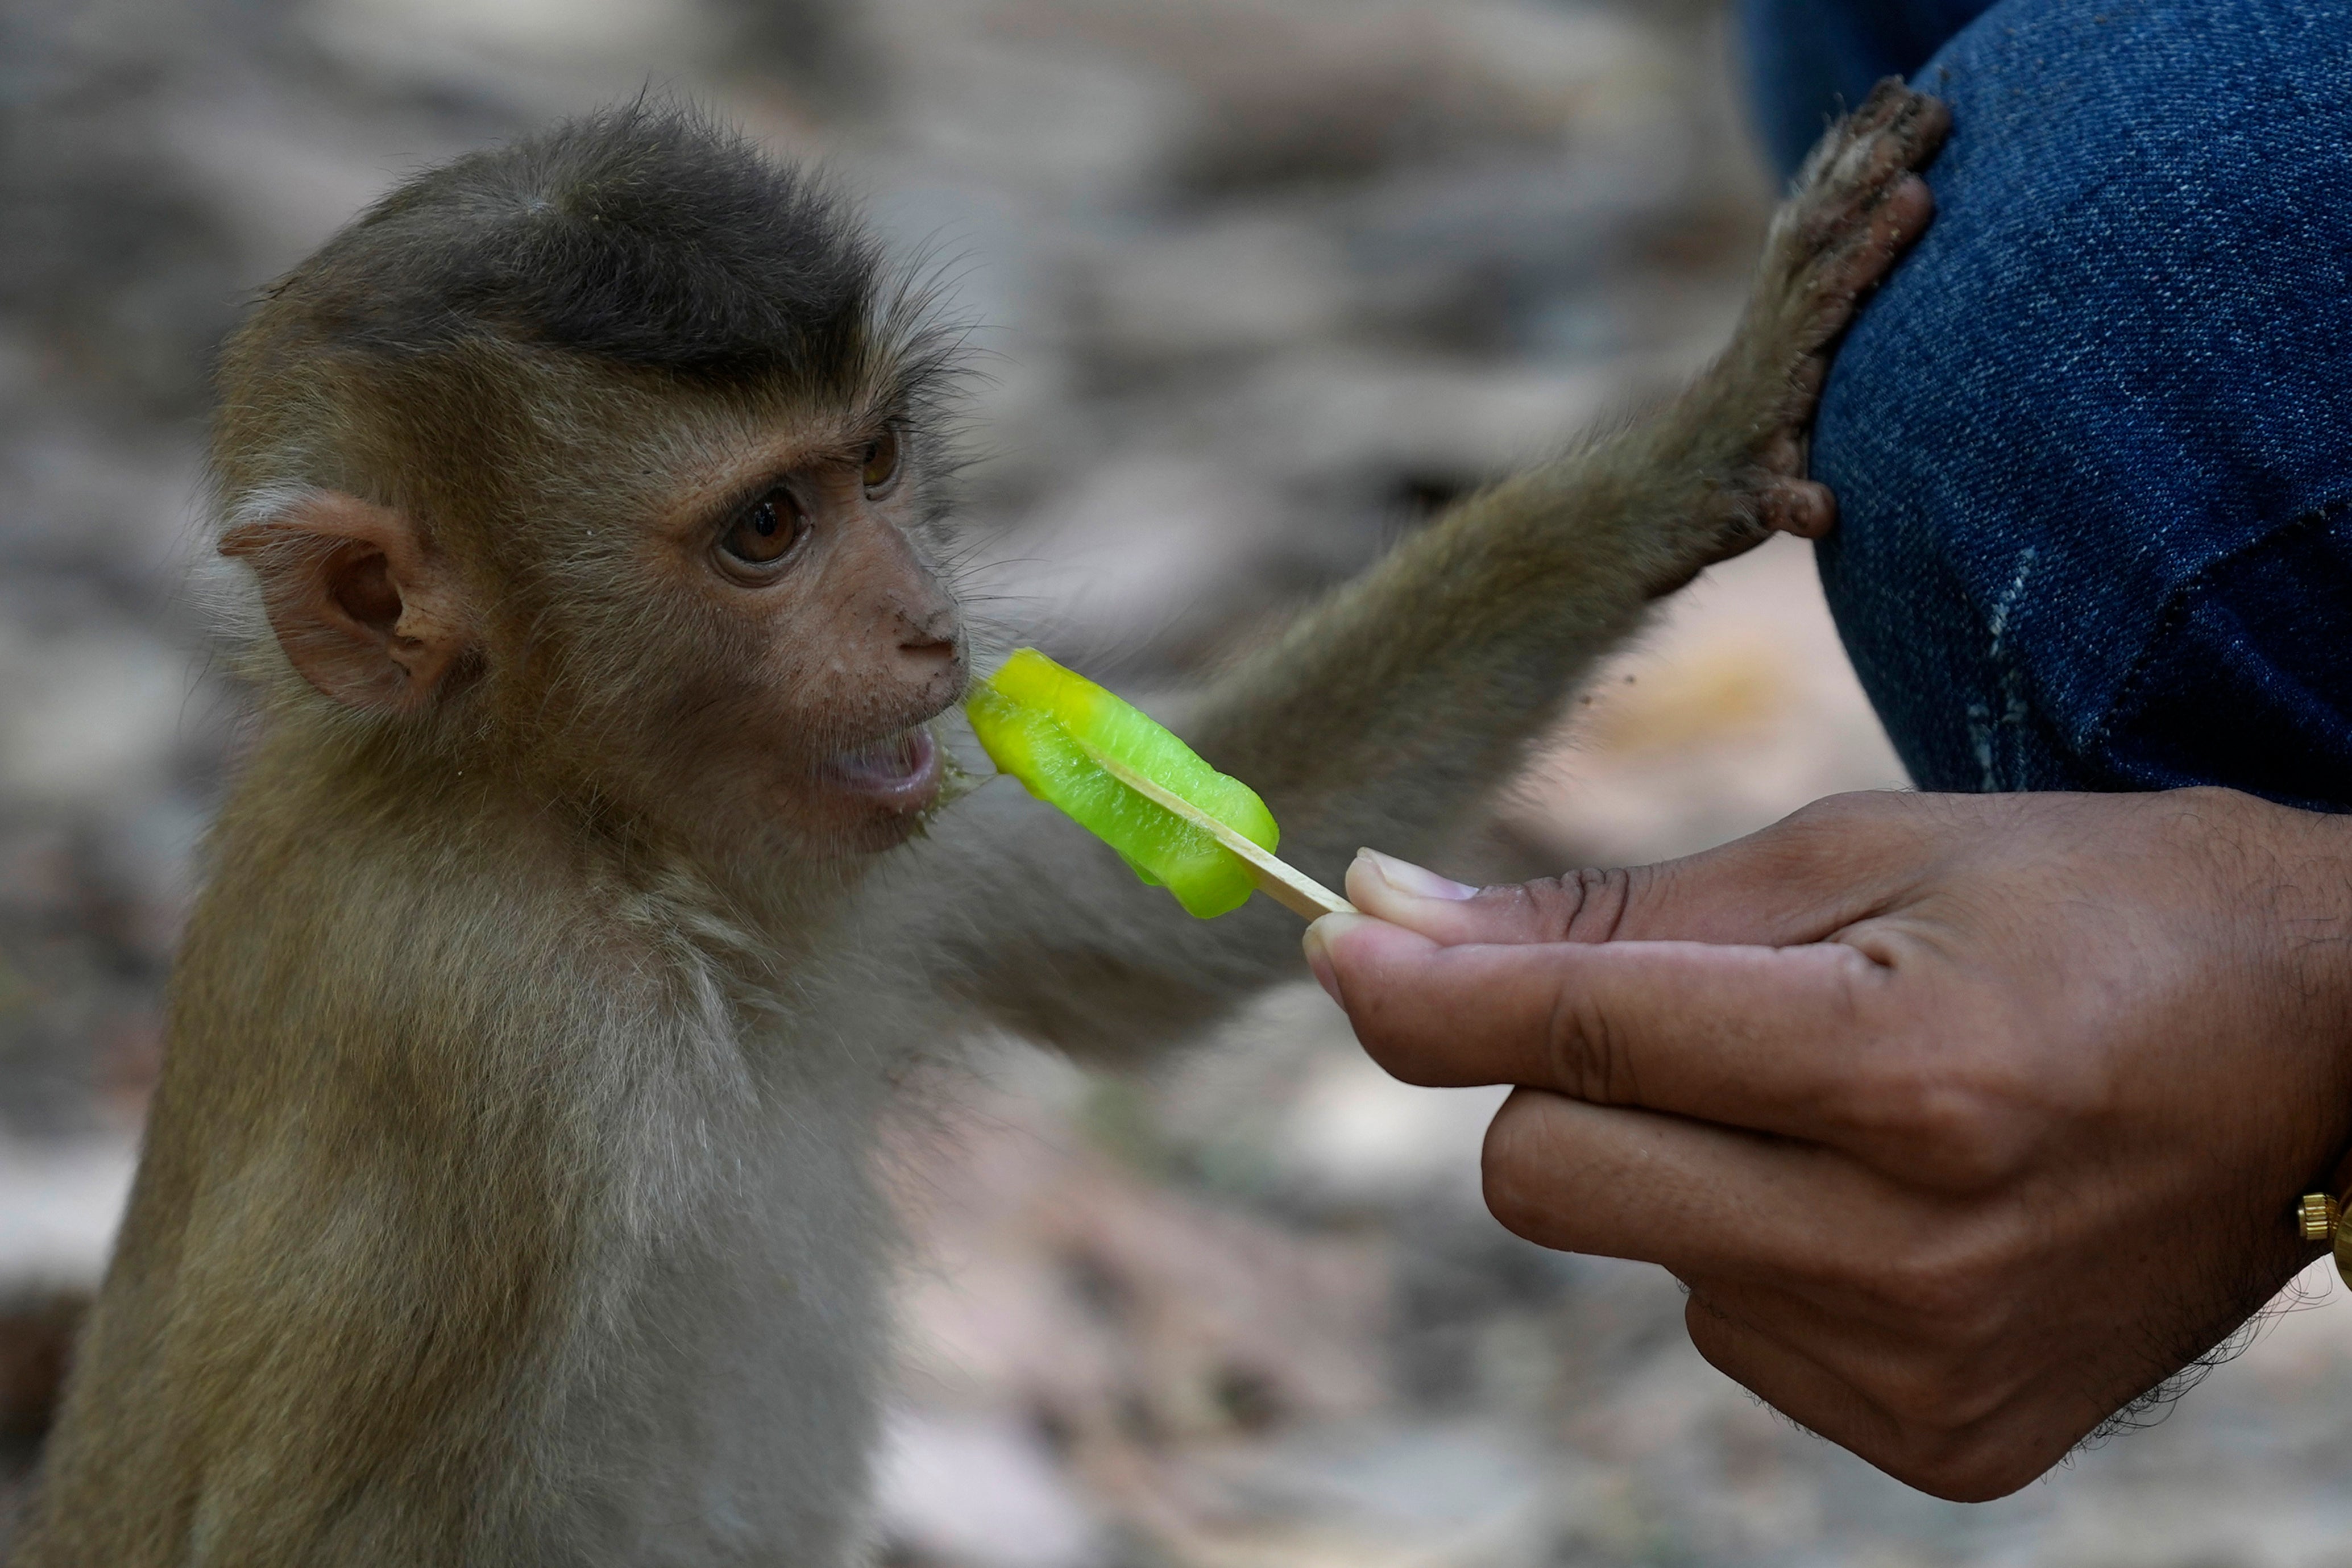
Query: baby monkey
x=506, y=1196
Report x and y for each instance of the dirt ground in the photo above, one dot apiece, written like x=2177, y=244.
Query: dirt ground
x=1257, y=285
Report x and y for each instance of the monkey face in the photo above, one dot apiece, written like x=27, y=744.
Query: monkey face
x=815, y=643
x=729, y=629
x=606, y=472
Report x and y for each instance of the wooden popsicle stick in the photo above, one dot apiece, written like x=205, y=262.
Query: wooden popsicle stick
x=1286, y=884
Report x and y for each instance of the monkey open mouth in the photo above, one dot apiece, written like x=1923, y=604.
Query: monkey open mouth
x=900, y=770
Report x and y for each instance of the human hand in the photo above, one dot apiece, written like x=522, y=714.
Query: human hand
x=1966, y=1119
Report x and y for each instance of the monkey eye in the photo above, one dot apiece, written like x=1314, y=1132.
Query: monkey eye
x=765, y=531
x=880, y=462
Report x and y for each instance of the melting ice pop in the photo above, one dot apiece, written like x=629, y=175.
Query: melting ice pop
x=1174, y=819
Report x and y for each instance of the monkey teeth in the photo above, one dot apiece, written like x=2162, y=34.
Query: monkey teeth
x=903, y=768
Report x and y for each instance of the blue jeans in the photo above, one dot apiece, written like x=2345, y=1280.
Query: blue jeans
x=2092, y=443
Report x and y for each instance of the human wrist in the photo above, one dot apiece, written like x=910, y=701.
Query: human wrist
x=2303, y=859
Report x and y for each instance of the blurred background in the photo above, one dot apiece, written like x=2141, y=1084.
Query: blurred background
x=1258, y=284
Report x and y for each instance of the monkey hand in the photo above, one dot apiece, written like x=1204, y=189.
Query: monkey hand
x=1856, y=207
x=1967, y=1120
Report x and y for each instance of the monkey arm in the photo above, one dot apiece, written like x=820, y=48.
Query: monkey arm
x=1401, y=703
x=1392, y=711
x=1388, y=715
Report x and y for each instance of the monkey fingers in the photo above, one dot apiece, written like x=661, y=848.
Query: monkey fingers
x=1806, y=508
x=1856, y=207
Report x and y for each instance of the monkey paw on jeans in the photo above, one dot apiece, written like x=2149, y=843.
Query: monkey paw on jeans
x=1858, y=205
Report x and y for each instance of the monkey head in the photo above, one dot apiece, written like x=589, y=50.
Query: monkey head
x=607, y=464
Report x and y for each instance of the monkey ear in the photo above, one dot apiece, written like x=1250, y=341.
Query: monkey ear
x=365, y=612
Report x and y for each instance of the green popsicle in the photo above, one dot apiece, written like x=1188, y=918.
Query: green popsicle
x=1174, y=819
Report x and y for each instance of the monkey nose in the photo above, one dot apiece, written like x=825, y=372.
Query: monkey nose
x=930, y=628
x=932, y=649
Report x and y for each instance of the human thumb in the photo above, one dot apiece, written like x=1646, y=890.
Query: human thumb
x=1799, y=881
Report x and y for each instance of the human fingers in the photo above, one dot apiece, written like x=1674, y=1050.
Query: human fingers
x=1886, y=1320
x=1959, y=1453
x=1703, y=1201
x=1854, y=1308
x=1931, y=1358
x=1777, y=1039
x=1837, y=861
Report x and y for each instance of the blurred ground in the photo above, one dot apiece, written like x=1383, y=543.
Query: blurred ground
x=1260, y=282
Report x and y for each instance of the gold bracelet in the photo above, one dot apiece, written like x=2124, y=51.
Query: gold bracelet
x=2322, y=1219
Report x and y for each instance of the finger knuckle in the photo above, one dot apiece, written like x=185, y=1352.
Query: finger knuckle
x=1962, y=1125
x=1579, y=906
x=1949, y=1297
x=1587, y=1057
x=1938, y=1395
x=1968, y=1467
x=1936, y=1300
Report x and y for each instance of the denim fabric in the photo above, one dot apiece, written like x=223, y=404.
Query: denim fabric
x=2092, y=443
x=1808, y=63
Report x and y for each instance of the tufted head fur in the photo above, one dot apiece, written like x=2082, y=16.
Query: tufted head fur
x=646, y=251
x=645, y=236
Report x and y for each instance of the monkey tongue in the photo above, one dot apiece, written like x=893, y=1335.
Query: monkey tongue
x=901, y=769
